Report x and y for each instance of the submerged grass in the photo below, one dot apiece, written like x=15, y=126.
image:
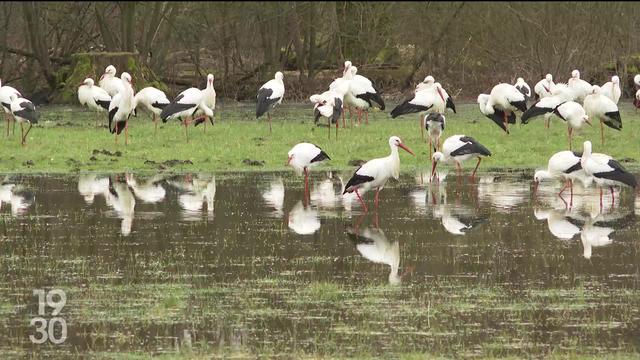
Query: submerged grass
x=66, y=138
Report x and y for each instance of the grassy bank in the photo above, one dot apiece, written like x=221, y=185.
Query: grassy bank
x=67, y=141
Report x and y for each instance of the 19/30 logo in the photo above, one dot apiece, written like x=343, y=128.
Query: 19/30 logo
x=46, y=329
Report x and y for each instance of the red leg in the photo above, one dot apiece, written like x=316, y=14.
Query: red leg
x=600, y=199
x=366, y=114
x=571, y=188
x=344, y=121
x=563, y=188
x=376, y=199
x=476, y=169
x=362, y=202
x=570, y=131
x=430, y=148
x=126, y=133
x=506, y=122
x=21, y=134
x=155, y=124
x=269, y=116
x=306, y=182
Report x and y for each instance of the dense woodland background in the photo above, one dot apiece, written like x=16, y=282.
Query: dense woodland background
x=467, y=46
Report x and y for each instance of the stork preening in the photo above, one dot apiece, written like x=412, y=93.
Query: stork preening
x=153, y=101
x=434, y=123
x=425, y=84
x=524, y=88
x=209, y=99
x=544, y=87
x=605, y=171
x=185, y=106
x=121, y=107
x=5, y=100
x=302, y=157
x=330, y=105
x=361, y=94
x=457, y=149
x=579, y=87
x=109, y=82
x=23, y=111
x=611, y=89
x=569, y=111
x=603, y=108
x=561, y=93
x=500, y=105
x=433, y=99
x=269, y=95
x=375, y=173
x=94, y=97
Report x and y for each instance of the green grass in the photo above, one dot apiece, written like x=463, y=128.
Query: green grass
x=65, y=138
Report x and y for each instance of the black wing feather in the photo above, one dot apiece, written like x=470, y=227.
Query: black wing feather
x=533, y=112
x=356, y=180
x=369, y=97
x=264, y=101
x=613, y=120
x=320, y=157
x=174, y=107
x=471, y=146
x=619, y=174
x=408, y=108
x=450, y=104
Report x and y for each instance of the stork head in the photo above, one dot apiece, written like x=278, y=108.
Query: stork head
x=595, y=89
x=279, y=76
x=586, y=149
x=354, y=70
x=126, y=77
x=549, y=77
x=540, y=175
x=315, y=98
x=435, y=159
x=429, y=80
x=520, y=80
x=575, y=74
x=347, y=65
x=210, y=80
x=585, y=118
x=88, y=81
x=615, y=79
x=395, y=141
x=110, y=70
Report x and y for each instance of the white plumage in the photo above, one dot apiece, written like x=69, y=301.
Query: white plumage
x=303, y=221
x=23, y=111
x=373, y=245
x=303, y=156
x=150, y=191
x=636, y=81
x=598, y=106
x=425, y=84
x=611, y=89
x=558, y=224
x=93, y=97
x=121, y=107
x=435, y=124
x=500, y=105
x=523, y=87
x=329, y=104
x=153, y=101
x=605, y=170
x=361, y=94
x=544, y=87
x=5, y=101
x=375, y=173
x=269, y=95
x=457, y=149
x=579, y=87
x=109, y=82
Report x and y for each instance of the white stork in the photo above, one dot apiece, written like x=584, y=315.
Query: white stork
x=558, y=223
x=152, y=100
x=430, y=99
x=594, y=236
x=209, y=98
x=302, y=157
x=185, y=106
x=605, y=173
x=434, y=123
x=603, y=108
x=636, y=101
x=5, y=101
x=500, y=105
x=330, y=105
x=544, y=87
x=269, y=95
x=636, y=81
x=23, y=111
x=342, y=86
x=611, y=89
x=457, y=149
x=121, y=107
x=362, y=93
x=425, y=84
x=93, y=97
x=375, y=173
x=524, y=88
x=109, y=82
x=560, y=94
x=579, y=87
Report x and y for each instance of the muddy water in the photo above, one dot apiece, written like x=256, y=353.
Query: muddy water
x=242, y=264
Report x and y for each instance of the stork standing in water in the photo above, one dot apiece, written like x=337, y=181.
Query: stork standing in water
x=23, y=111
x=185, y=106
x=500, y=105
x=5, y=100
x=565, y=165
x=579, y=87
x=152, y=100
x=121, y=107
x=109, y=82
x=302, y=157
x=362, y=93
x=457, y=149
x=269, y=95
x=93, y=97
x=524, y=88
x=605, y=171
x=543, y=87
x=434, y=124
x=375, y=173
x=330, y=105
x=611, y=89
x=603, y=108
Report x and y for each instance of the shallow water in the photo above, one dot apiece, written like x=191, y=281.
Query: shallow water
x=240, y=263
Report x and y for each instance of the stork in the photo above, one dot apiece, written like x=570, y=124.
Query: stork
x=5, y=100
x=500, y=105
x=598, y=106
x=23, y=111
x=269, y=95
x=152, y=100
x=605, y=173
x=93, y=97
x=302, y=157
x=120, y=109
x=457, y=149
x=185, y=106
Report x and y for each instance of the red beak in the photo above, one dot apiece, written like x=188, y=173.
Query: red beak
x=289, y=161
x=102, y=77
x=546, y=88
x=535, y=186
x=433, y=168
x=441, y=96
x=405, y=148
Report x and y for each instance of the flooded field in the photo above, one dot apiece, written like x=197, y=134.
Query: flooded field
x=241, y=265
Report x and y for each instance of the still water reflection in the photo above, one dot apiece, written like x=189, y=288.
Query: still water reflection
x=200, y=238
